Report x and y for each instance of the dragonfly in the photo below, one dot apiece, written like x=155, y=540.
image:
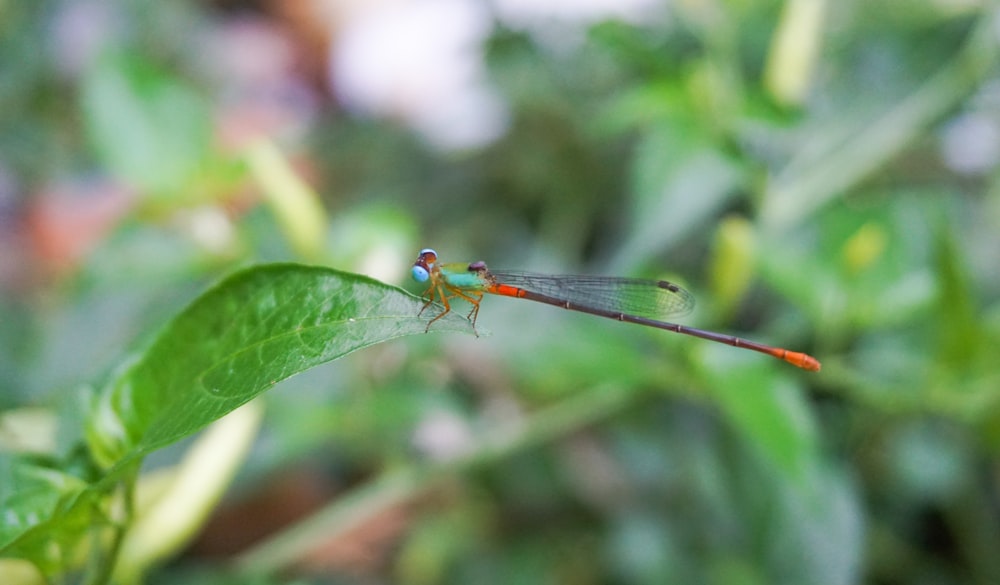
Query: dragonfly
x=632, y=300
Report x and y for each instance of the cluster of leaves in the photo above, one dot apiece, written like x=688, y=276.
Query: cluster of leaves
x=252, y=331
x=800, y=193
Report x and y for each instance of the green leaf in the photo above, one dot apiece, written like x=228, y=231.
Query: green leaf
x=849, y=151
x=149, y=128
x=44, y=507
x=770, y=413
x=242, y=337
x=679, y=180
x=962, y=337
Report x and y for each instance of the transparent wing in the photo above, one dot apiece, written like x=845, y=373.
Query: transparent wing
x=652, y=299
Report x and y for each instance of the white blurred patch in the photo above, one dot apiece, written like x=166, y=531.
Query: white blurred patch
x=211, y=228
x=970, y=144
x=443, y=436
x=421, y=62
x=383, y=261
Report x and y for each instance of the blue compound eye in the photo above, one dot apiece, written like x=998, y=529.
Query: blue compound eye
x=420, y=274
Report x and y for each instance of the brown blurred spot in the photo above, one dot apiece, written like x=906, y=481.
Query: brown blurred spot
x=65, y=221
x=362, y=549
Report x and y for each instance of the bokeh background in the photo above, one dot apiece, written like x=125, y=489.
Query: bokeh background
x=821, y=175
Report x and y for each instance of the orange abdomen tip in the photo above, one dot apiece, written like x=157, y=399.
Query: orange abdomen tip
x=802, y=360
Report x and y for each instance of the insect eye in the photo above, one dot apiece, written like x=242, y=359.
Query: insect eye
x=427, y=257
x=419, y=273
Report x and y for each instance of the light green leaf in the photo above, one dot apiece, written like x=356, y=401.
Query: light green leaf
x=150, y=129
x=46, y=510
x=242, y=337
x=770, y=412
x=679, y=180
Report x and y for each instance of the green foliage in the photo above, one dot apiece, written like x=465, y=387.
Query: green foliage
x=147, y=128
x=822, y=176
x=251, y=331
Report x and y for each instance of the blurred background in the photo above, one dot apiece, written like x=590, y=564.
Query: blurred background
x=823, y=176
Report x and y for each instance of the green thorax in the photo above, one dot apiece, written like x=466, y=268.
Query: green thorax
x=458, y=275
